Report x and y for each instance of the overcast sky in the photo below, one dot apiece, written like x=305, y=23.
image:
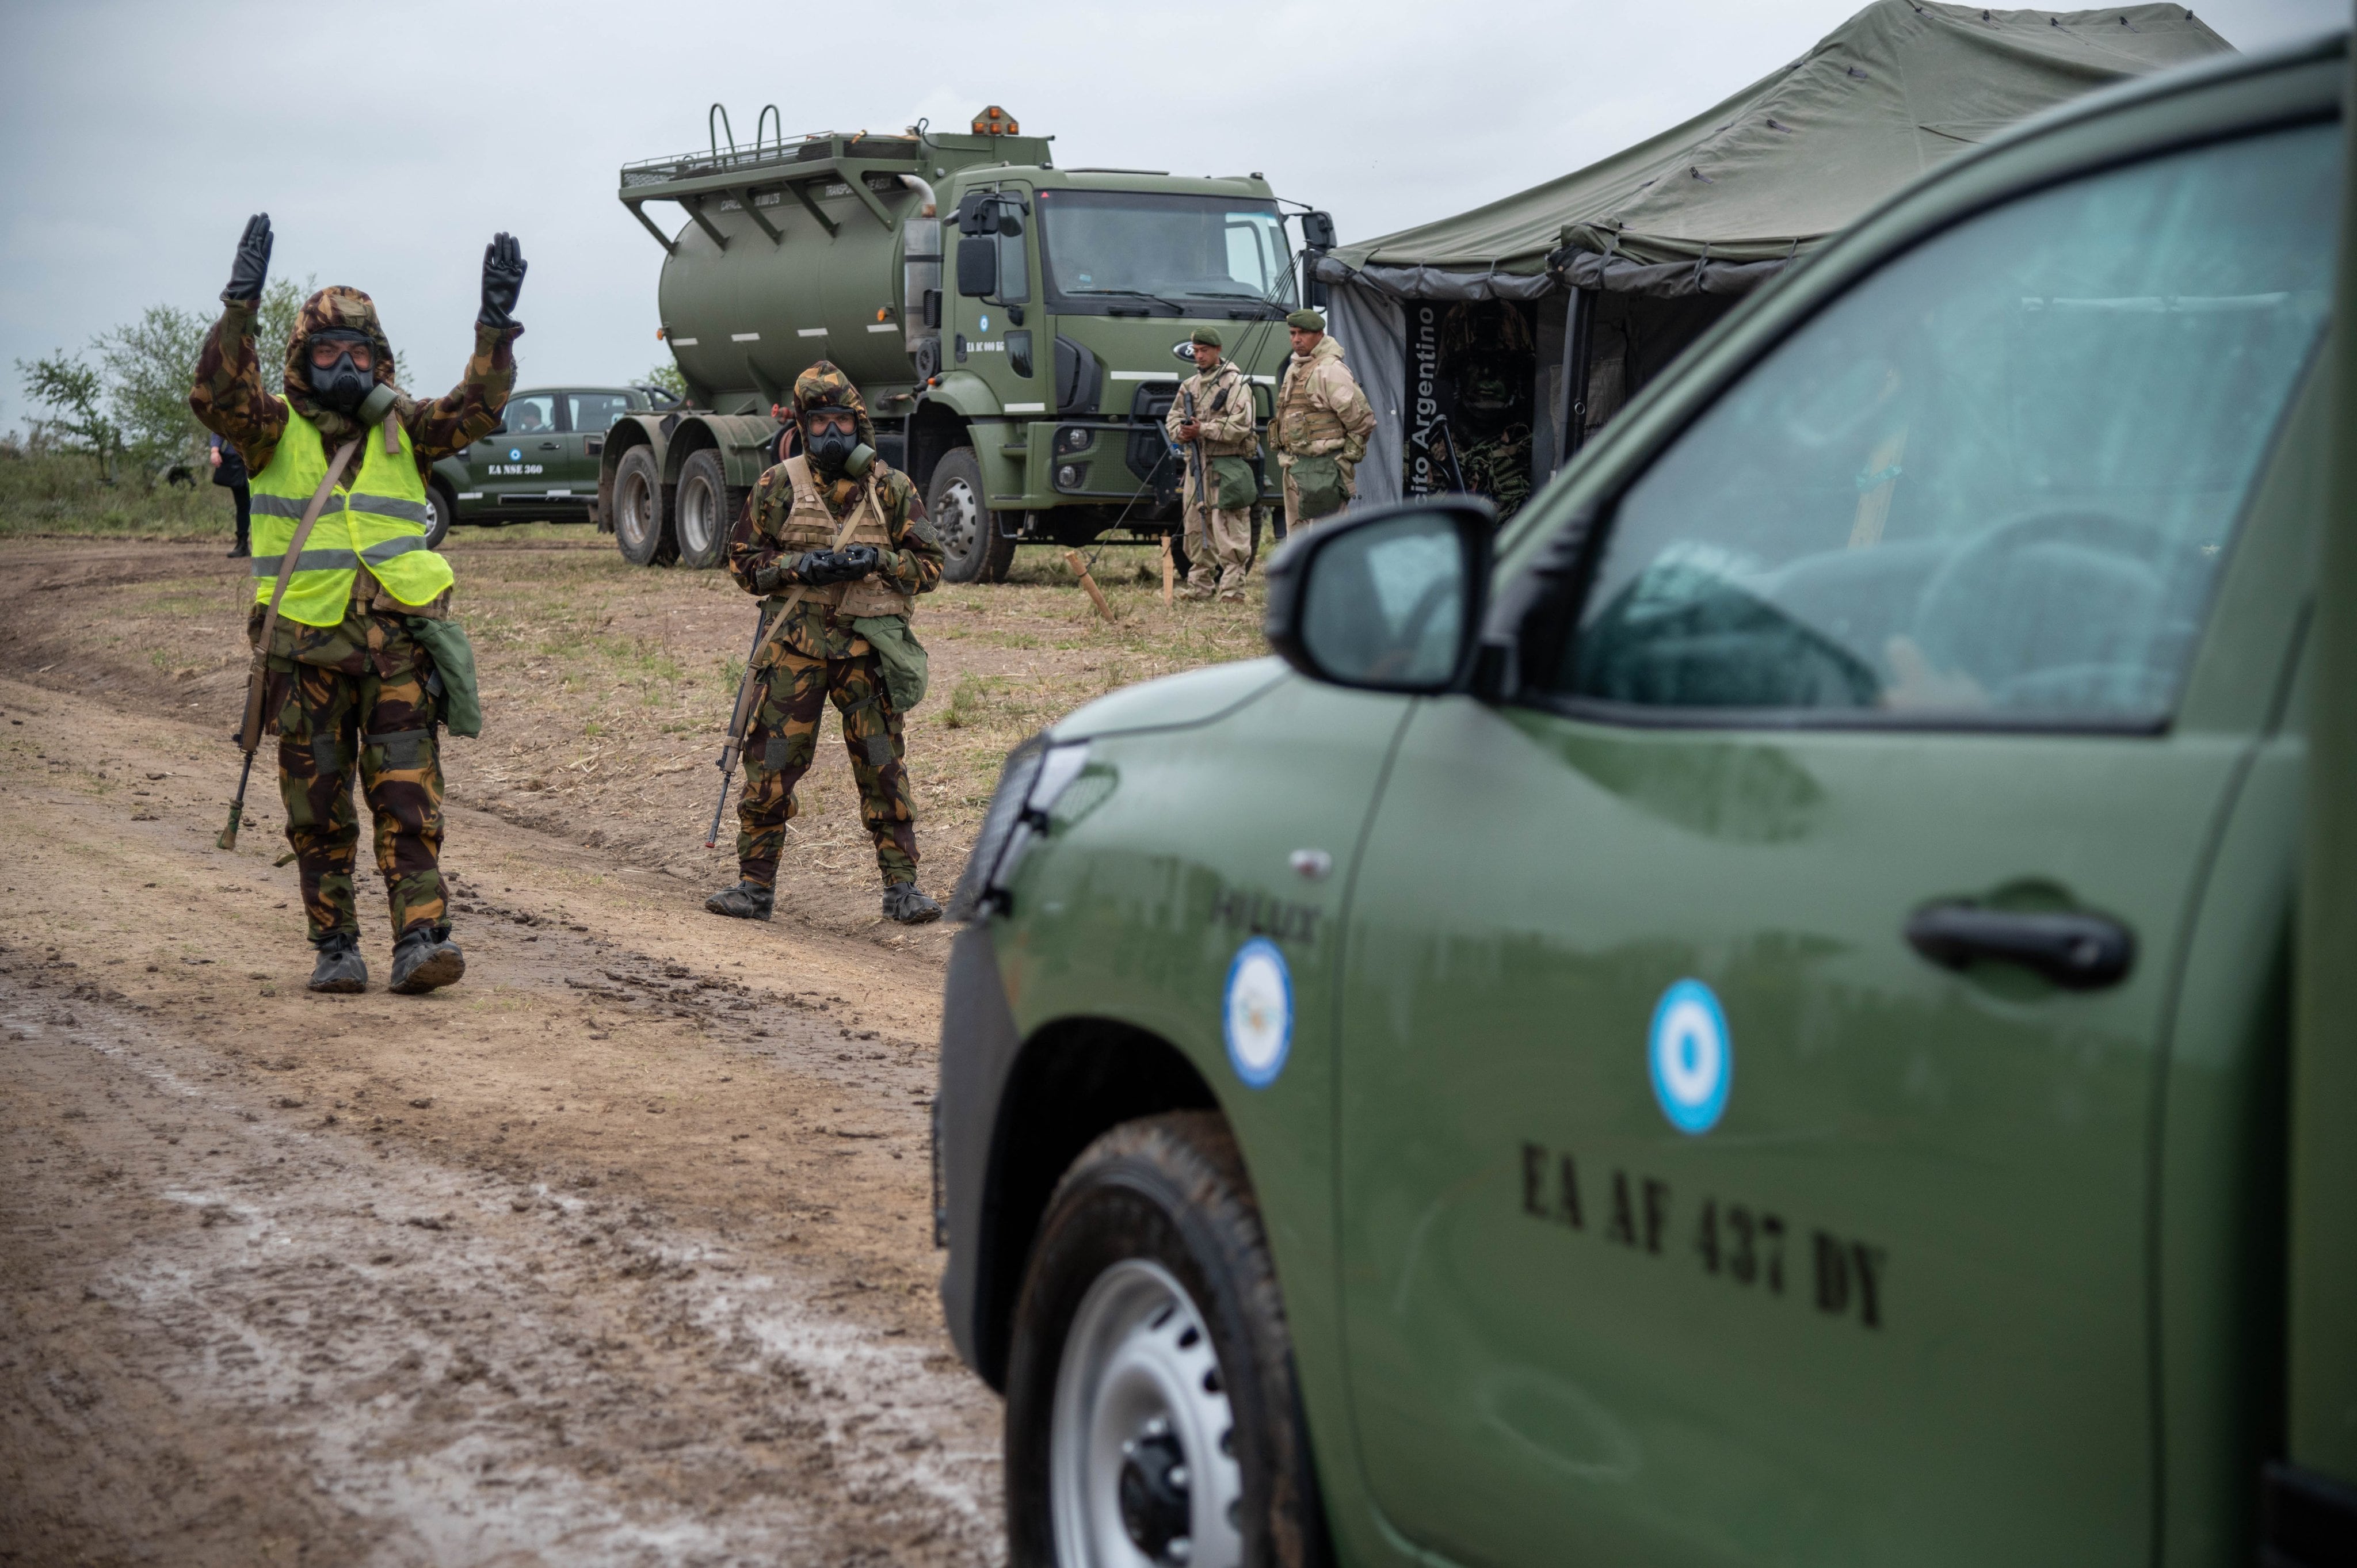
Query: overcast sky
x=388, y=142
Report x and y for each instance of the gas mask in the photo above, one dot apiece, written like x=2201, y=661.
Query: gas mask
x=342, y=369
x=835, y=452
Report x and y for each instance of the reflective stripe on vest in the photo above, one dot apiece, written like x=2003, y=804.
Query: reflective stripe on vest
x=380, y=521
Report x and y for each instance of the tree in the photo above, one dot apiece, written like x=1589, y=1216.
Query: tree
x=62, y=381
x=148, y=365
x=666, y=377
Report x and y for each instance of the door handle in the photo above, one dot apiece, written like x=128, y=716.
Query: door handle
x=2076, y=951
x=548, y=446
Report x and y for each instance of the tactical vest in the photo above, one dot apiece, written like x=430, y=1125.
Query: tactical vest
x=381, y=522
x=1303, y=427
x=810, y=526
x=1230, y=380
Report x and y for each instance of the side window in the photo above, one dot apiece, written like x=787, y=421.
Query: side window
x=1996, y=478
x=593, y=413
x=532, y=415
x=1014, y=267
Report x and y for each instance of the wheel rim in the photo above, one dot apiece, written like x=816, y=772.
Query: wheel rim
x=959, y=523
x=633, y=519
x=439, y=524
x=1142, y=1470
x=697, y=508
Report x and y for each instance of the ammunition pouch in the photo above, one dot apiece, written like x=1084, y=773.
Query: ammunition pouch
x=1235, y=488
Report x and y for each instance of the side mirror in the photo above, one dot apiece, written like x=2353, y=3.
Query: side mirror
x=1318, y=230
x=1390, y=599
x=977, y=266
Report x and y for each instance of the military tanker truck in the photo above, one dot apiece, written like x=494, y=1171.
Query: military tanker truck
x=1018, y=329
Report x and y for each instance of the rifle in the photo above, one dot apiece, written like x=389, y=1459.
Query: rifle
x=1195, y=451
x=257, y=674
x=1456, y=469
x=738, y=719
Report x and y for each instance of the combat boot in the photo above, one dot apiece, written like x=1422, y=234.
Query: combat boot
x=422, y=962
x=903, y=903
x=340, y=970
x=749, y=900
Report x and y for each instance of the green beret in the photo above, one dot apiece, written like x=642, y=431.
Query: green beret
x=1307, y=321
x=1208, y=336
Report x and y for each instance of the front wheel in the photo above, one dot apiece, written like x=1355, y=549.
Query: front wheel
x=961, y=521
x=704, y=510
x=642, y=527
x=1152, y=1415
x=441, y=511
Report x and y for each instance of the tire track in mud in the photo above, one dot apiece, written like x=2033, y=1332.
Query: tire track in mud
x=236, y=1339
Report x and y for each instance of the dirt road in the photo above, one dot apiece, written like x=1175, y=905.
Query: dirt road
x=617, y=1253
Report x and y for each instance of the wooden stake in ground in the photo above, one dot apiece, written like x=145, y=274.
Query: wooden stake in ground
x=1170, y=573
x=1096, y=594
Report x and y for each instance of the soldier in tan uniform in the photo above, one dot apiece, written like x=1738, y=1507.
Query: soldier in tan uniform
x=1212, y=423
x=1321, y=427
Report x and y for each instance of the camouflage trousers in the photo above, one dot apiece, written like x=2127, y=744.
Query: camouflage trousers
x=783, y=742
x=329, y=722
x=1218, y=550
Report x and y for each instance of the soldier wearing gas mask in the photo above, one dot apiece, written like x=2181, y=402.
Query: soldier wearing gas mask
x=351, y=686
x=836, y=540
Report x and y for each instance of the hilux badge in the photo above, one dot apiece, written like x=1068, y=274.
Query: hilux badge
x=1258, y=1012
x=1691, y=1057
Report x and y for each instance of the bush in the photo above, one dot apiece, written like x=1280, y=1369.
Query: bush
x=45, y=491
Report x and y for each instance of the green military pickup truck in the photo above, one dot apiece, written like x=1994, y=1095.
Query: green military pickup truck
x=539, y=466
x=1757, y=1014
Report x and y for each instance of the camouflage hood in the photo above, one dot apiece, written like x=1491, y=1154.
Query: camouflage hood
x=825, y=386
x=1327, y=350
x=332, y=311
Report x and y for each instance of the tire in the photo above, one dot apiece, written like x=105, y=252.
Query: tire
x=1001, y=559
x=441, y=511
x=1149, y=1335
x=704, y=510
x=962, y=524
x=641, y=510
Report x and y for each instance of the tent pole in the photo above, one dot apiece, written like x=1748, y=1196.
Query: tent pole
x=1571, y=403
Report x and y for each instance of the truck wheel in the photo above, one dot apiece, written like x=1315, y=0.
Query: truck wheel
x=1001, y=558
x=1151, y=1409
x=441, y=511
x=960, y=520
x=704, y=510
x=641, y=523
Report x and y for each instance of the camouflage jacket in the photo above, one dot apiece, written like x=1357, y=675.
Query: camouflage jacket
x=1319, y=407
x=1228, y=427
x=232, y=400
x=760, y=566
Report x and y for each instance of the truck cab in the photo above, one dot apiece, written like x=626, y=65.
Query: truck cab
x=1745, y=1016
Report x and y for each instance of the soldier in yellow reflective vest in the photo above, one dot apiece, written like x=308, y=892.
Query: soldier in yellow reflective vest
x=351, y=686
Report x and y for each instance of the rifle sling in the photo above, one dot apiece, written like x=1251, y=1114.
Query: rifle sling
x=250, y=735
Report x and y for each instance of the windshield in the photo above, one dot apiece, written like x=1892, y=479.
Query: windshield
x=1120, y=250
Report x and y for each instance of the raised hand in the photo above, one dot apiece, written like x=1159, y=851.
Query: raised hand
x=251, y=270
x=503, y=266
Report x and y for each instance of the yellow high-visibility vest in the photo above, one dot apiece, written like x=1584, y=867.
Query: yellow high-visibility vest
x=381, y=521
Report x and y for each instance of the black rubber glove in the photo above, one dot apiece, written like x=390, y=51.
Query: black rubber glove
x=858, y=560
x=817, y=568
x=502, y=280
x=251, y=270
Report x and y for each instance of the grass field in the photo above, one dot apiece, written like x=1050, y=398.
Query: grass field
x=49, y=494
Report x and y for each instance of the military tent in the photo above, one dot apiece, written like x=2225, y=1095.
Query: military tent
x=1461, y=329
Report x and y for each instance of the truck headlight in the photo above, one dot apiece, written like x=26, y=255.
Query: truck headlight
x=1072, y=475
x=1072, y=438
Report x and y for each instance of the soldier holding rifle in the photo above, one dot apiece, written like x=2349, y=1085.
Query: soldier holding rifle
x=837, y=540
x=1212, y=422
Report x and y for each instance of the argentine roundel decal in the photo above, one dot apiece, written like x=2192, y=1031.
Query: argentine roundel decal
x=1691, y=1057
x=515, y=453
x=1258, y=1011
